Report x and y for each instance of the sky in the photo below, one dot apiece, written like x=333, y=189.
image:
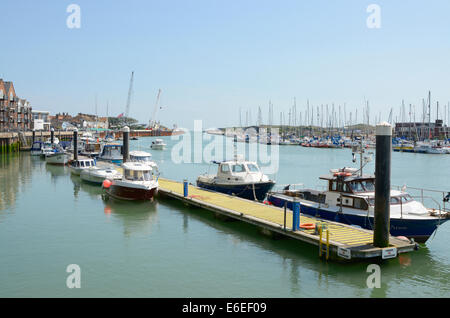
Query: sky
x=211, y=58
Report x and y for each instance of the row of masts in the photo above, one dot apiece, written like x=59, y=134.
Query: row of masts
x=332, y=118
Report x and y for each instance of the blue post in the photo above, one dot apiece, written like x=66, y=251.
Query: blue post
x=295, y=216
x=185, y=188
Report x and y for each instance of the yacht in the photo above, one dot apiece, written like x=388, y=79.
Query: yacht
x=158, y=144
x=238, y=177
x=138, y=182
x=350, y=199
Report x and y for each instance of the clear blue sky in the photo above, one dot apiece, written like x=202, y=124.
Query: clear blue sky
x=211, y=58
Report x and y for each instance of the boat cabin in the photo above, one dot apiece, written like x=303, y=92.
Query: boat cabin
x=92, y=148
x=112, y=151
x=237, y=170
x=140, y=156
x=136, y=171
x=83, y=163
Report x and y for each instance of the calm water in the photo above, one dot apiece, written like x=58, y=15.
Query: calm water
x=50, y=219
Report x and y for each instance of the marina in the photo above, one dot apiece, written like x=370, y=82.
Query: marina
x=226, y=157
x=288, y=261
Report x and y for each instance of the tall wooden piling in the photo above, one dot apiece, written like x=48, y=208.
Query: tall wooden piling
x=382, y=185
x=52, y=136
x=126, y=140
x=75, y=144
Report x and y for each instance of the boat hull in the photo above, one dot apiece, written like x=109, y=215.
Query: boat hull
x=57, y=159
x=418, y=229
x=131, y=194
x=242, y=190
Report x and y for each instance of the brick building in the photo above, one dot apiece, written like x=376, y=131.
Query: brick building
x=15, y=113
x=422, y=130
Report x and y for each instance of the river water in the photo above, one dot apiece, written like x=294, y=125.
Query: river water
x=50, y=219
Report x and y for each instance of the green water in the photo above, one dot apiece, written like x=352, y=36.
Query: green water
x=50, y=219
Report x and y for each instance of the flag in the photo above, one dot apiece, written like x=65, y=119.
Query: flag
x=121, y=115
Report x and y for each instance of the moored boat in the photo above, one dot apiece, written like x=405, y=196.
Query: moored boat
x=77, y=166
x=238, y=177
x=138, y=182
x=350, y=199
x=111, y=152
x=98, y=174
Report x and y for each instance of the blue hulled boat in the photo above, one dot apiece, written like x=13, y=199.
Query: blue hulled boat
x=238, y=177
x=350, y=199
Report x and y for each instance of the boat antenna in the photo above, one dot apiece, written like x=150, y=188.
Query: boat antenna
x=235, y=146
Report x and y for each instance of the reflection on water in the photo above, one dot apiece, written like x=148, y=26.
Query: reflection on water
x=211, y=256
x=15, y=177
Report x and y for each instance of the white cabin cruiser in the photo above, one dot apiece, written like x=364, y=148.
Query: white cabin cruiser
x=98, y=174
x=138, y=182
x=158, y=144
x=77, y=166
x=238, y=177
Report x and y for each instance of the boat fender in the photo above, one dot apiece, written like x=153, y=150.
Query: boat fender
x=106, y=184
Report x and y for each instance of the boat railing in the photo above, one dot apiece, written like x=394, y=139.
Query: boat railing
x=429, y=196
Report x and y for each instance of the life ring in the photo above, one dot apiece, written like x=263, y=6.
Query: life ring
x=344, y=174
x=308, y=226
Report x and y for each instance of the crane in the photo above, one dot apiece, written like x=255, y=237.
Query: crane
x=130, y=90
x=152, y=123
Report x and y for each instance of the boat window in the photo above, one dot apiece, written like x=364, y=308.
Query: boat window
x=252, y=168
x=395, y=200
x=88, y=164
x=346, y=188
x=238, y=168
x=128, y=174
x=356, y=186
x=225, y=168
x=359, y=203
x=372, y=201
x=333, y=186
x=147, y=176
x=368, y=185
x=82, y=163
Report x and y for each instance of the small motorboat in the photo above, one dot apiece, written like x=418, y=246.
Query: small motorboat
x=98, y=174
x=238, y=177
x=91, y=149
x=57, y=156
x=158, y=144
x=138, y=182
x=111, y=152
x=77, y=166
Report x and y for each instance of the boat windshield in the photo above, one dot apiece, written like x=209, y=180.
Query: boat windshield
x=238, y=168
x=402, y=199
x=138, y=175
x=362, y=186
x=252, y=167
x=141, y=158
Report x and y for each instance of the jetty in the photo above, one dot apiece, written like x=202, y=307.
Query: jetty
x=335, y=241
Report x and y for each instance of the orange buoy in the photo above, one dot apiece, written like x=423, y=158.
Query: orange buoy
x=106, y=184
x=308, y=226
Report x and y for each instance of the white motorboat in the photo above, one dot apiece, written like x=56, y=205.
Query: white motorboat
x=57, y=157
x=98, y=174
x=138, y=182
x=158, y=144
x=238, y=177
x=77, y=166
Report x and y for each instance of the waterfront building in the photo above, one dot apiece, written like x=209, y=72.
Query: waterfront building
x=15, y=113
x=41, y=120
x=422, y=130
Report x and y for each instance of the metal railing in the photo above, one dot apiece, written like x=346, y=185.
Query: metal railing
x=427, y=196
